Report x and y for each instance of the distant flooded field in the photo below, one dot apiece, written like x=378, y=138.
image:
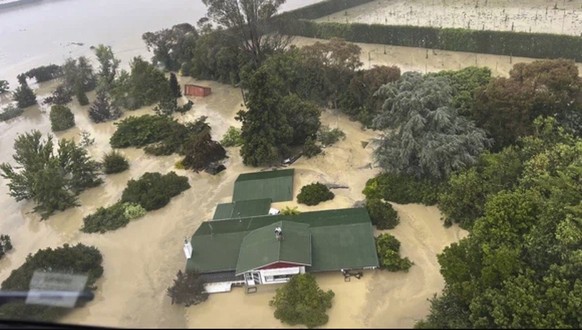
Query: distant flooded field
x=537, y=16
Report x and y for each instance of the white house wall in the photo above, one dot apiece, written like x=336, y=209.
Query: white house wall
x=267, y=275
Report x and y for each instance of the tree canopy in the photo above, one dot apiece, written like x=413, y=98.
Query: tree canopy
x=249, y=21
x=520, y=266
x=78, y=259
x=301, y=301
x=52, y=179
x=425, y=136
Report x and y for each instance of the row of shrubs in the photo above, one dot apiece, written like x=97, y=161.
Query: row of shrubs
x=151, y=191
x=402, y=189
x=536, y=45
x=322, y=8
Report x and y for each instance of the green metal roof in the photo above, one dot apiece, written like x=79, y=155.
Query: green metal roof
x=276, y=185
x=260, y=247
x=339, y=239
x=245, y=208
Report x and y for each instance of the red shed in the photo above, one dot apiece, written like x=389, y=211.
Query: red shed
x=195, y=90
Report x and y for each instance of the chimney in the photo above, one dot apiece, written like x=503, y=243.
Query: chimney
x=278, y=233
x=187, y=249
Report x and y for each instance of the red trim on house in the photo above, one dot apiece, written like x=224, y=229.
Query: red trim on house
x=280, y=265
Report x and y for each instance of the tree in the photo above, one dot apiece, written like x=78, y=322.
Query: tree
x=9, y=112
x=301, y=301
x=103, y=110
x=5, y=245
x=114, y=162
x=464, y=83
x=507, y=107
x=61, y=118
x=315, y=193
x=249, y=21
x=402, y=189
x=388, y=248
x=145, y=85
x=338, y=60
x=328, y=137
x=51, y=180
x=60, y=96
x=4, y=86
x=174, y=86
x=188, y=289
x=232, y=138
x=24, y=96
x=519, y=268
x=427, y=137
x=42, y=73
x=108, y=66
x=172, y=47
x=116, y=216
x=359, y=101
x=153, y=190
x=382, y=214
x=200, y=151
x=216, y=57
x=78, y=259
x=78, y=76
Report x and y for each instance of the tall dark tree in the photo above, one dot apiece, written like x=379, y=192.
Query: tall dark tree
x=426, y=137
x=61, y=118
x=51, y=179
x=60, y=96
x=4, y=86
x=103, y=110
x=200, y=150
x=108, y=66
x=24, y=96
x=249, y=21
x=188, y=289
x=145, y=85
x=174, y=86
x=172, y=47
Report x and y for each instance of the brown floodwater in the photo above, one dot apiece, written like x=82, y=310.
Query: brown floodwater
x=141, y=259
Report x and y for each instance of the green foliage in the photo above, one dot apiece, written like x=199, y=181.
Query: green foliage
x=200, y=151
x=108, y=65
x=61, y=118
x=172, y=47
x=154, y=190
x=463, y=197
x=188, y=289
x=103, y=110
x=328, y=137
x=9, y=112
x=382, y=214
x=145, y=85
x=78, y=259
x=301, y=301
x=143, y=130
x=24, y=96
x=425, y=136
x=52, y=180
x=60, y=96
x=402, y=189
x=322, y=8
x=536, y=45
x=315, y=193
x=44, y=73
x=105, y=219
x=507, y=107
x=114, y=162
x=216, y=57
x=388, y=248
x=232, y=138
x=359, y=101
x=116, y=216
x=520, y=266
x=4, y=86
x=174, y=86
x=78, y=77
x=290, y=210
x=310, y=149
x=5, y=245
x=464, y=83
